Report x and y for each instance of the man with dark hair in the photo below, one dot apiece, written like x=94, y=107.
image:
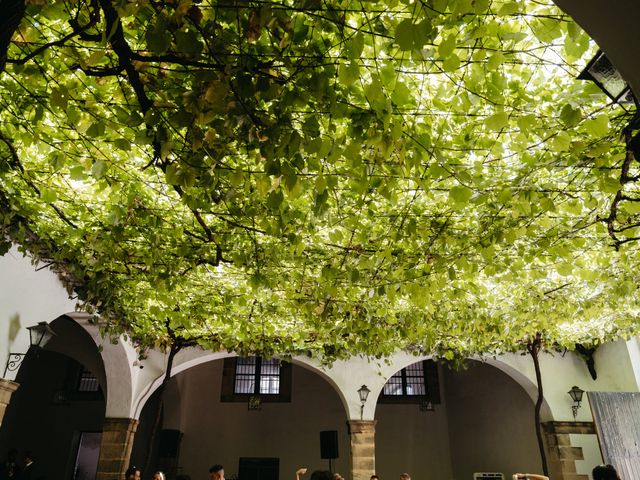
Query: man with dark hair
x=374, y=477
x=9, y=470
x=216, y=472
x=605, y=472
x=29, y=469
x=322, y=475
x=133, y=473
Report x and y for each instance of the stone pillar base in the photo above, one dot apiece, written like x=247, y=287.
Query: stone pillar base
x=561, y=455
x=7, y=387
x=363, y=456
x=115, y=447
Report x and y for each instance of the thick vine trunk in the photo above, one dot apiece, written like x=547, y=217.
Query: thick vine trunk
x=146, y=468
x=11, y=14
x=534, y=350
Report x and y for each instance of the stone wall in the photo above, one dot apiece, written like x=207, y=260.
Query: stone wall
x=562, y=455
x=115, y=449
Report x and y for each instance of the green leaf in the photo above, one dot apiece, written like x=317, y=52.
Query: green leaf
x=349, y=74
x=447, y=46
x=598, y=126
x=96, y=129
x=99, y=168
x=122, y=144
x=404, y=34
x=401, y=95
x=48, y=196
x=495, y=61
x=497, y=122
x=561, y=142
x=355, y=46
x=186, y=41
x=570, y=116
x=460, y=194
x=451, y=63
x=158, y=37
x=508, y=8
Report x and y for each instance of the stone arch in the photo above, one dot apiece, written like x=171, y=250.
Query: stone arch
x=193, y=405
x=481, y=407
x=403, y=360
x=119, y=374
x=527, y=384
x=192, y=357
x=74, y=341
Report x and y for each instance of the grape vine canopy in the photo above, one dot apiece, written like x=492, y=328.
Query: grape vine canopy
x=329, y=177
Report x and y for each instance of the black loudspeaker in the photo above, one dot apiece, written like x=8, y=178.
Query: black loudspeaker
x=169, y=443
x=329, y=444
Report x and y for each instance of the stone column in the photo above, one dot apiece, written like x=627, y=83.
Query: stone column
x=115, y=448
x=7, y=387
x=561, y=455
x=363, y=448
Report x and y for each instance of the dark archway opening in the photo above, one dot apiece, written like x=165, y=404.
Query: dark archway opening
x=483, y=424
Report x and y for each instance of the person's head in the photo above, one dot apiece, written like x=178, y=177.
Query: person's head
x=12, y=455
x=405, y=476
x=132, y=473
x=216, y=472
x=374, y=477
x=159, y=476
x=28, y=457
x=605, y=472
x=322, y=475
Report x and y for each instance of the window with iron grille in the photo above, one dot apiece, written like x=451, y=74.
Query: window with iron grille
x=87, y=381
x=413, y=384
x=257, y=376
x=246, y=376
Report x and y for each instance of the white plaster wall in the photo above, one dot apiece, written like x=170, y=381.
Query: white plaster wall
x=560, y=372
x=633, y=346
x=590, y=451
x=217, y=432
x=34, y=296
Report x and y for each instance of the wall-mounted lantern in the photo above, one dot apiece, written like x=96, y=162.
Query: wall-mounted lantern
x=601, y=71
x=255, y=402
x=363, y=393
x=576, y=395
x=426, y=405
x=39, y=335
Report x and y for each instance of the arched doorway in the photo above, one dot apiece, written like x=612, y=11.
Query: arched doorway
x=58, y=410
x=482, y=421
x=216, y=425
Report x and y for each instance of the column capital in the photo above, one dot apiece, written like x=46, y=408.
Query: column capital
x=362, y=426
x=130, y=424
x=585, y=428
x=7, y=387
